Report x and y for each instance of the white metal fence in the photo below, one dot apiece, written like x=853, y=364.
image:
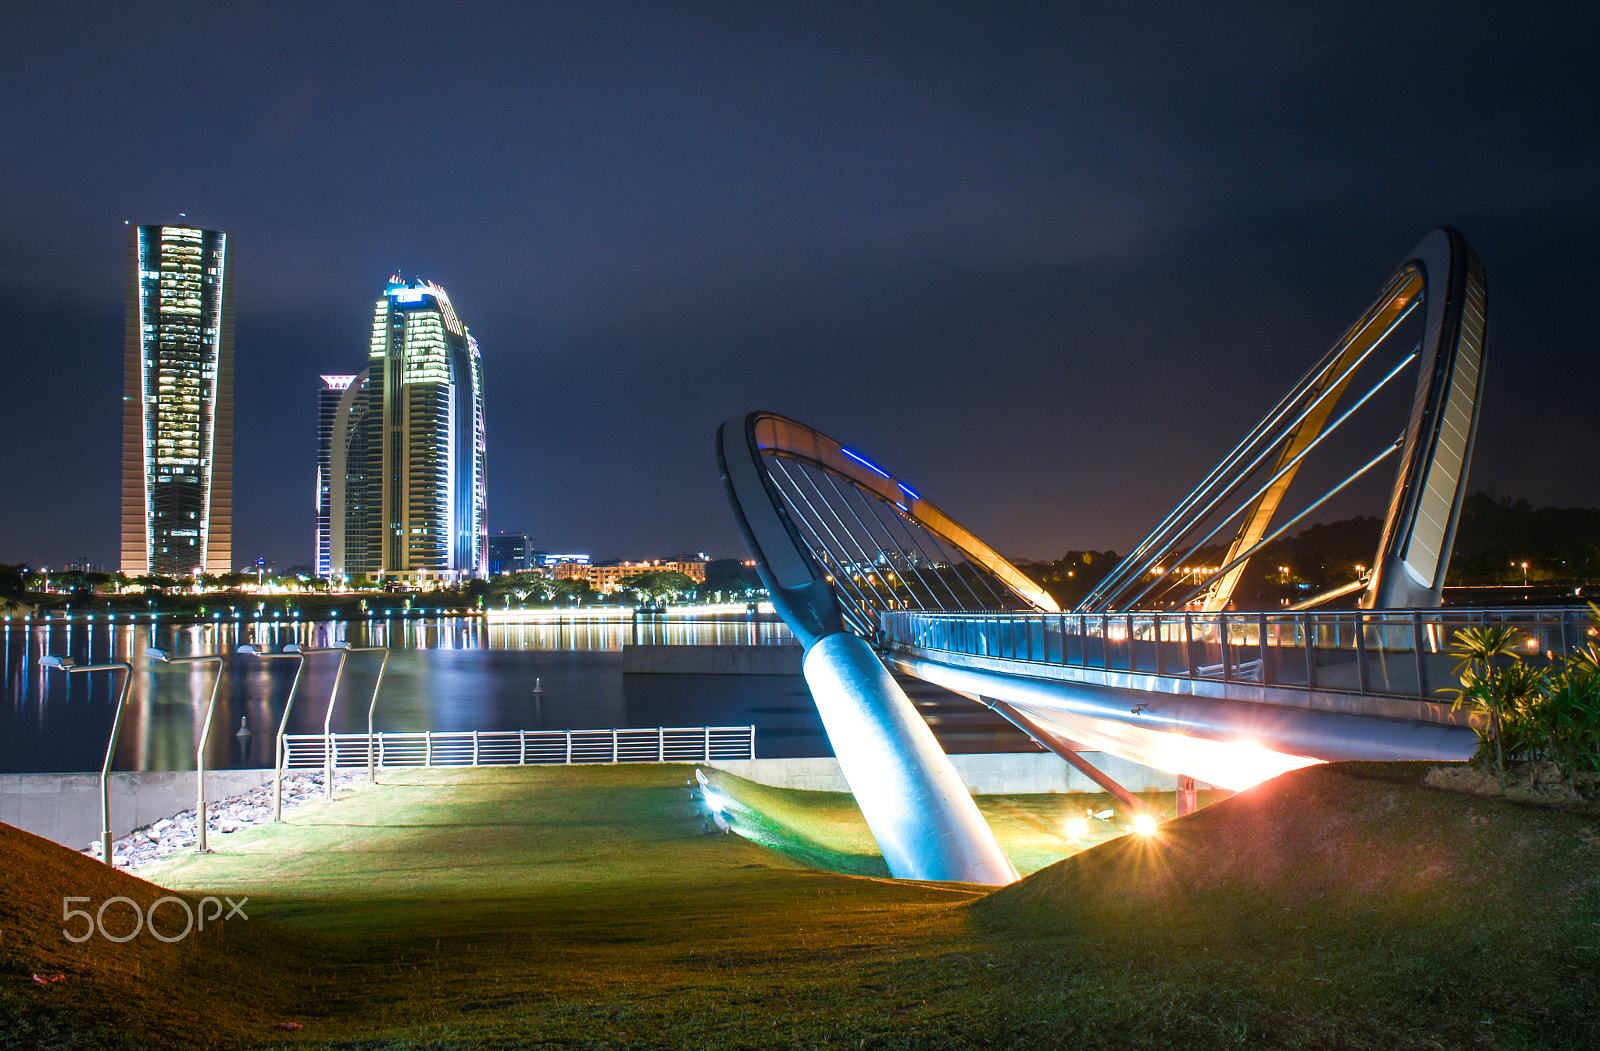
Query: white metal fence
x=660, y=744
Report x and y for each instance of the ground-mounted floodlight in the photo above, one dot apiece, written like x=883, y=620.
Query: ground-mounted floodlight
x=67, y=664
x=279, y=758
x=156, y=653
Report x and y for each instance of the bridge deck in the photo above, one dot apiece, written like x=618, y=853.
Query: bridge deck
x=1328, y=686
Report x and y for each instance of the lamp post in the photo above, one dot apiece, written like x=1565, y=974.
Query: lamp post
x=327, y=719
x=333, y=699
x=294, y=651
x=372, y=768
x=67, y=664
x=205, y=734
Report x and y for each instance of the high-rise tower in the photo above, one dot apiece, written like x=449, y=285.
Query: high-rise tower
x=406, y=465
x=333, y=390
x=177, y=411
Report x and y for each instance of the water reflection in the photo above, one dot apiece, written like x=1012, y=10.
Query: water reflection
x=444, y=673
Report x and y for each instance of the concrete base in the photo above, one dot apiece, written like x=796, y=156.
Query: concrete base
x=985, y=774
x=66, y=807
x=711, y=660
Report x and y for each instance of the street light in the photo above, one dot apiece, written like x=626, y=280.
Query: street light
x=67, y=664
x=372, y=768
x=327, y=719
x=294, y=651
x=333, y=699
x=205, y=734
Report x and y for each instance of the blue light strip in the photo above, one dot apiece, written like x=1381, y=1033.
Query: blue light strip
x=867, y=462
x=904, y=488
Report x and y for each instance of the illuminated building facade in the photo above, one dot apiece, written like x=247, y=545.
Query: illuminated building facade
x=177, y=420
x=328, y=398
x=608, y=579
x=512, y=553
x=406, y=460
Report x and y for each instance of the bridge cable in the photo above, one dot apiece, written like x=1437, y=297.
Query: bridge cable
x=1118, y=581
x=1369, y=465
x=841, y=573
x=861, y=548
x=836, y=571
x=906, y=522
x=1285, y=468
x=842, y=496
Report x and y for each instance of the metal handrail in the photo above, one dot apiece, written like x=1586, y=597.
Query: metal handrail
x=437, y=748
x=1388, y=652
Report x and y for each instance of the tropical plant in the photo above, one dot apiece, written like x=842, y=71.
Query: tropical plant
x=1484, y=657
x=1530, y=712
x=1567, y=717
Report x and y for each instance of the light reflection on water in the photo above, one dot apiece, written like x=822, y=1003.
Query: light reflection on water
x=444, y=673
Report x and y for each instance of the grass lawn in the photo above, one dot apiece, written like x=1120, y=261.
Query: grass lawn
x=1344, y=907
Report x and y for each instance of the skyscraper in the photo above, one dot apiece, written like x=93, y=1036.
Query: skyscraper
x=333, y=389
x=406, y=463
x=177, y=406
x=511, y=553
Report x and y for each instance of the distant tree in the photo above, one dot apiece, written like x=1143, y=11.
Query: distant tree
x=13, y=581
x=572, y=589
x=1072, y=576
x=521, y=586
x=731, y=575
x=655, y=584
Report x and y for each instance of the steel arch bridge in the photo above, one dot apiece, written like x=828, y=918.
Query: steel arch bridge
x=868, y=572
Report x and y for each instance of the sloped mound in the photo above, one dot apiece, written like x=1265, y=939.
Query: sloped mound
x=1349, y=842
x=231, y=981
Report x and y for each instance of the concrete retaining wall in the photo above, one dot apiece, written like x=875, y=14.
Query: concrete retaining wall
x=711, y=660
x=66, y=807
x=1000, y=773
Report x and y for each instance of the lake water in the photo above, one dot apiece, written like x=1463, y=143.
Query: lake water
x=444, y=673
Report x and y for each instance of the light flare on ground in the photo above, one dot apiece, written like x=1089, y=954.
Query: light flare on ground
x=1234, y=765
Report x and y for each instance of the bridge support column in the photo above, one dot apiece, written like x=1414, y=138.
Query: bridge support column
x=920, y=812
x=1188, y=797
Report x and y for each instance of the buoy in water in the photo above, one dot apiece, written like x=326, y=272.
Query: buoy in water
x=538, y=686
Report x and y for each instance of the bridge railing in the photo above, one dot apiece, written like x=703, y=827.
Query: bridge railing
x=656, y=744
x=1380, y=653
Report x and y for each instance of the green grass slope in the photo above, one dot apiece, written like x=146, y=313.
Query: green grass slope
x=1337, y=908
x=223, y=984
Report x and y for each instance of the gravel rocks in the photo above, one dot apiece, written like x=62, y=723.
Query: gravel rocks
x=160, y=838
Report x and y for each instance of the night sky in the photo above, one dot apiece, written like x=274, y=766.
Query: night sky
x=1044, y=263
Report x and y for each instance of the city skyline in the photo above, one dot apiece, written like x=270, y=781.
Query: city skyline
x=1046, y=264
x=177, y=434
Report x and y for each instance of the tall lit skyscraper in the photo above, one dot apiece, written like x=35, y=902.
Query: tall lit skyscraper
x=406, y=463
x=177, y=411
x=333, y=389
